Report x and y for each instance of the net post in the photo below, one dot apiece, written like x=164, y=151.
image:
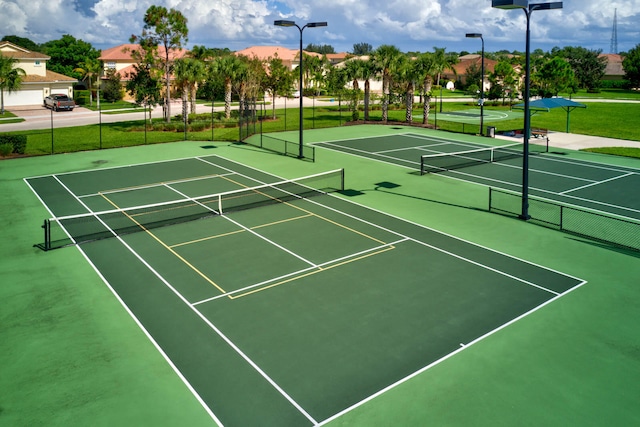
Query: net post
x=47, y=234
x=342, y=179
x=490, y=195
x=220, y=203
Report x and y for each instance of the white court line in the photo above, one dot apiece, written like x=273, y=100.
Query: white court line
x=442, y=359
x=305, y=270
x=342, y=148
x=415, y=147
x=207, y=321
x=597, y=183
x=155, y=185
x=402, y=236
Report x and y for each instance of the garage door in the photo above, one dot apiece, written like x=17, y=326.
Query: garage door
x=23, y=97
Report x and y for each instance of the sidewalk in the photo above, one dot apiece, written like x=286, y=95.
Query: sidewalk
x=574, y=141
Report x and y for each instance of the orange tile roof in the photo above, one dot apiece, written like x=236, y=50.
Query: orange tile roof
x=14, y=51
x=50, y=77
x=123, y=52
x=266, y=52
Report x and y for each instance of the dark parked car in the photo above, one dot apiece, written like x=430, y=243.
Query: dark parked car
x=59, y=102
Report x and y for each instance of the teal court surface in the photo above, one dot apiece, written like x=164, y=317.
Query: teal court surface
x=585, y=184
x=282, y=302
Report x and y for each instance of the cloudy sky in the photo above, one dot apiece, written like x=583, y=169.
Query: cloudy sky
x=411, y=25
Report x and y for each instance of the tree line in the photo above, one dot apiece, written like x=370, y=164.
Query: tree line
x=210, y=72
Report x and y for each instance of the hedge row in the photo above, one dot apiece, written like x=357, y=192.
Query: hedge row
x=18, y=143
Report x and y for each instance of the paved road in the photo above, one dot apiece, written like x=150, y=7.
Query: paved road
x=38, y=117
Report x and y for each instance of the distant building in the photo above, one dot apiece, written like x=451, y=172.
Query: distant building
x=120, y=58
x=614, y=70
x=38, y=82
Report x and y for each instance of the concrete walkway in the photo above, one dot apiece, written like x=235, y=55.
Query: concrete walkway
x=574, y=141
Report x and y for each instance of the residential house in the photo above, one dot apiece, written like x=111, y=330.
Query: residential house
x=120, y=58
x=459, y=72
x=38, y=82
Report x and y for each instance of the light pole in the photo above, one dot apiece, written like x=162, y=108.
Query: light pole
x=528, y=10
x=479, y=36
x=281, y=23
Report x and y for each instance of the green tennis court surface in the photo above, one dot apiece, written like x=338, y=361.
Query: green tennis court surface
x=600, y=187
x=298, y=310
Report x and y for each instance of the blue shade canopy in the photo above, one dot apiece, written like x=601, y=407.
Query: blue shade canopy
x=549, y=103
x=546, y=104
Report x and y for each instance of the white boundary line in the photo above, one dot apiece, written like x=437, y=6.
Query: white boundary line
x=597, y=183
x=437, y=362
x=582, y=282
x=202, y=317
x=506, y=183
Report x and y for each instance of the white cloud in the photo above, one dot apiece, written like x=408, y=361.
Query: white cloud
x=408, y=24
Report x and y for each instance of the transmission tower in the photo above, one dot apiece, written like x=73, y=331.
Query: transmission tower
x=614, y=33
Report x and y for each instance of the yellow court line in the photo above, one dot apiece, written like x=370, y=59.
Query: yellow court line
x=201, y=274
x=310, y=273
x=204, y=239
x=314, y=214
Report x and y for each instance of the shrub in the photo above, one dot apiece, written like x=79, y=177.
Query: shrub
x=5, y=149
x=18, y=143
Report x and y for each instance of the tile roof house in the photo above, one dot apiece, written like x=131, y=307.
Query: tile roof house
x=467, y=61
x=120, y=58
x=38, y=82
x=289, y=57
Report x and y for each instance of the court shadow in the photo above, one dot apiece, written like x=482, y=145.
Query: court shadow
x=608, y=246
x=387, y=187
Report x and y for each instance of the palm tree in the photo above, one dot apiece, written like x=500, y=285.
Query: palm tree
x=353, y=71
x=278, y=80
x=443, y=61
x=425, y=67
x=227, y=66
x=386, y=58
x=89, y=69
x=368, y=71
x=407, y=74
x=10, y=77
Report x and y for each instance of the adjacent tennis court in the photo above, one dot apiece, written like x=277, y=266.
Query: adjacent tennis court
x=605, y=188
x=281, y=302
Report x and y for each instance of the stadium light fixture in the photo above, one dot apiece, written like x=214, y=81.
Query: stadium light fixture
x=528, y=9
x=284, y=23
x=479, y=36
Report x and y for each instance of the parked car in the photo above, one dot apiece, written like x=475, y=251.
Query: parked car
x=59, y=101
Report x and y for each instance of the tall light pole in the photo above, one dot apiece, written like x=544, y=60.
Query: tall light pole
x=479, y=36
x=281, y=23
x=528, y=10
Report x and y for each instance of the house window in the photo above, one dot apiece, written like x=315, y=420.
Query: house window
x=37, y=63
x=111, y=64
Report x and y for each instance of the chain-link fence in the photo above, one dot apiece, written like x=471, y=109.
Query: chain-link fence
x=569, y=219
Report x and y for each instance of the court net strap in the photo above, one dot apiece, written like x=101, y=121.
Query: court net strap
x=446, y=161
x=75, y=229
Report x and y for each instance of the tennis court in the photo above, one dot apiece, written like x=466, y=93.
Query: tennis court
x=473, y=115
x=591, y=185
x=280, y=302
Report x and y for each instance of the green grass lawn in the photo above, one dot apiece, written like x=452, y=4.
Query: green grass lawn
x=8, y=117
x=616, y=151
x=612, y=120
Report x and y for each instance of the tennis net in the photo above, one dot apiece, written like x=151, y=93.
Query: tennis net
x=447, y=161
x=83, y=228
